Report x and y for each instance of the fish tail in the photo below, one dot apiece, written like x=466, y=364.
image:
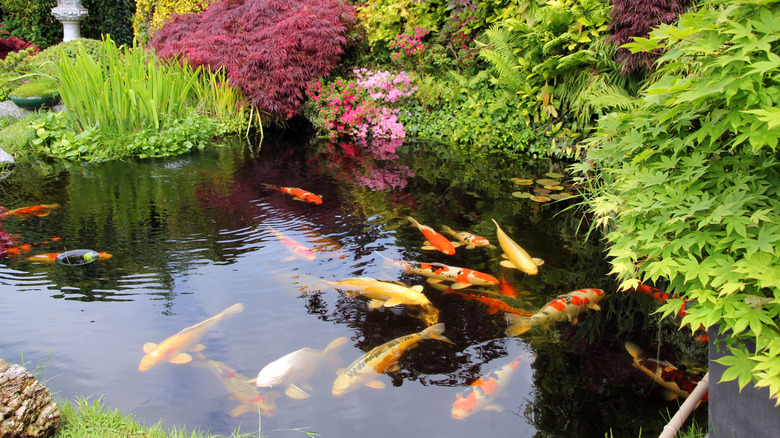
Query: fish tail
x=435, y=332
x=335, y=345
x=634, y=350
x=414, y=222
x=448, y=230
x=232, y=310
x=518, y=324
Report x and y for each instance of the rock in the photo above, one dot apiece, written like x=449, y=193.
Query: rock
x=27, y=409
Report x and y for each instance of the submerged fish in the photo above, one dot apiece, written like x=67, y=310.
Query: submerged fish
x=517, y=257
x=461, y=277
x=298, y=194
x=677, y=383
x=484, y=391
x=493, y=304
x=239, y=388
x=42, y=210
x=296, y=248
x=382, y=293
x=382, y=359
x=562, y=308
x=435, y=240
x=293, y=370
x=470, y=241
x=51, y=257
x=174, y=348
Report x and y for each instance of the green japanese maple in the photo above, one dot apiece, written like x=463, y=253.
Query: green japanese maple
x=688, y=192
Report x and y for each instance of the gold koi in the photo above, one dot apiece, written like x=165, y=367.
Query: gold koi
x=517, y=257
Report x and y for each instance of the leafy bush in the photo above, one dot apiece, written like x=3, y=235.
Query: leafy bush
x=109, y=17
x=268, y=49
x=10, y=43
x=42, y=86
x=10, y=71
x=32, y=21
x=150, y=14
x=689, y=188
x=46, y=60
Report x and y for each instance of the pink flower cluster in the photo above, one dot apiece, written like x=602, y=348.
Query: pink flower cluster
x=409, y=45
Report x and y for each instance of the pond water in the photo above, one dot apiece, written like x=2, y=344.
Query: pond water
x=191, y=236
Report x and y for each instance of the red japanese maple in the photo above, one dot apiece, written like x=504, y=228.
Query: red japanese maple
x=270, y=48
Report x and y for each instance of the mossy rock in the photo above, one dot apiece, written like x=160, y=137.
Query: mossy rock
x=46, y=59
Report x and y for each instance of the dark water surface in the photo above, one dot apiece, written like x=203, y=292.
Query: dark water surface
x=191, y=236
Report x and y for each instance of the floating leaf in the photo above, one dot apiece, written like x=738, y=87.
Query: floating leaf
x=553, y=175
x=522, y=181
x=521, y=195
x=553, y=187
x=559, y=196
x=548, y=182
x=541, y=191
x=540, y=198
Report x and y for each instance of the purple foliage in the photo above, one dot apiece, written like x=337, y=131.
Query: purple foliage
x=635, y=18
x=270, y=49
x=10, y=43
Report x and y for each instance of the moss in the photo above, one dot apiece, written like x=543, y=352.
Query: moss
x=45, y=60
x=38, y=87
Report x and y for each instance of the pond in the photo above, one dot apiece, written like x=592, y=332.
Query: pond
x=194, y=235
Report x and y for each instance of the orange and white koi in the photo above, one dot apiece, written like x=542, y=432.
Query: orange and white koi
x=517, y=257
x=461, y=277
x=173, y=348
x=297, y=194
x=294, y=370
x=434, y=239
x=296, y=248
x=562, y=308
x=493, y=304
x=677, y=383
x=382, y=359
x=239, y=388
x=470, y=241
x=42, y=210
x=484, y=391
x=382, y=293
x=51, y=257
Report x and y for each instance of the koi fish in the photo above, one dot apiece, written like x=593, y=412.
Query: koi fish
x=517, y=257
x=42, y=210
x=494, y=305
x=675, y=382
x=246, y=394
x=484, y=391
x=297, y=194
x=382, y=359
x=562, y=308
x=470, y=241
x=506, y=288
x=461, y=277
x=296, y=248
x=435, y=240
x=51, y=257
x=17, y=251
x=173, y=349
x=660, y=296
x=294, y=370
x=382, y=293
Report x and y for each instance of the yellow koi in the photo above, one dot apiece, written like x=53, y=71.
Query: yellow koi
x=382, y=293
x=517, y=257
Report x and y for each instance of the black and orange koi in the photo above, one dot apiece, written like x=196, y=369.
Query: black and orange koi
x=484, y=391
x=562, y=308
x=297, y=194
x=677, y=383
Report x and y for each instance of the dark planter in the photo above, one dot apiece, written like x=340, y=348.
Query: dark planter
x=34, y=103
x=749, y=413
x=77, y=257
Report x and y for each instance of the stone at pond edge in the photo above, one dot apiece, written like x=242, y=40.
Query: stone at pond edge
x=27, y=409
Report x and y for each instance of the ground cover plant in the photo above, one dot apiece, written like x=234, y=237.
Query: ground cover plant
x=688, y=188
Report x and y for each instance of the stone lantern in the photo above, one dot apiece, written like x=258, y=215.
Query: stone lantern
x=70, y=13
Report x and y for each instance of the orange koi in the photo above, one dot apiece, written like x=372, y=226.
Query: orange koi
x=494, y=305
x=42, y=210
x=297, y=248
x=563, y=307
x=506, y=288
x=435, y=240
x=483, y=392
x=470, y=241
x=17, y=251
x=660, y=296
x=297, y=194
x=677, y=383
x=461, y=277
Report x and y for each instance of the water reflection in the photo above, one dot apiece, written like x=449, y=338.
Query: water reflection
x=193, y=235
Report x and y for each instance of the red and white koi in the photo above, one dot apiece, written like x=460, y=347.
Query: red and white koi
x=239, y=388
x=470, y=241
x=382, y=359
x=434, y=239
x=517, y=257
x=461, y=277
x=562, y=308
x=297, y=194
x=677, y=383
x=484, y=391
x=296, y=248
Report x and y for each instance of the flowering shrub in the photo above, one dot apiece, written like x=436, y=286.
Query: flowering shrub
x=408, y=47
x=362, y=107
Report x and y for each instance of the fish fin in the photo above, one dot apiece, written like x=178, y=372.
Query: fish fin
x=459, y=285
x=428, y=248
x=197, y=348
x=392, y=302
x=375, y=304
x=434, y=280
x=508, y=264
x=239, y=410
x=518, y=324
x=149, y=346
x=538, y=261
x=595, y=306
x=669, y=395
x=504, y=256
x=376, y=384
x=393, y=368
x=295, y=198
x=252, y=381
x=296, y=393
x=417, y=288
x=494, y=407
x=470, y=246
x=455, y=244
x=181, y=358
x=341, y=371
x=306, y=386
x=491, y=310
x=289, y=259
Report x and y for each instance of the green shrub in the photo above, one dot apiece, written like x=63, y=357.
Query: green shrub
x=46, y=60
x=10, y=72
x=41, y=86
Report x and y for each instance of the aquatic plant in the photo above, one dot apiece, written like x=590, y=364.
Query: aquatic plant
x=277, y=49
